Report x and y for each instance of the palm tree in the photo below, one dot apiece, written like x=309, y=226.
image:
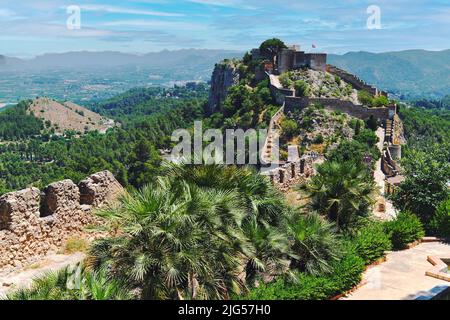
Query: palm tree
x=178, y=242
x=341, y=190
x=313, y=242
x=270, y=254
x=261, y=198
x=73, y=283
x=198, y=233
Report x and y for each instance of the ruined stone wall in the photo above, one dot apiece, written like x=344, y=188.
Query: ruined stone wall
x=292, y=173
x=354, y=110
x=388, y=165
x=32, y=222
x=356, y=82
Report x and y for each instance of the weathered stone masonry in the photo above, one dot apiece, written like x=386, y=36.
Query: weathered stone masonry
x=33, y=223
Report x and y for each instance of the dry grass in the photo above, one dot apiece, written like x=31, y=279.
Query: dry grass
x=75, y=244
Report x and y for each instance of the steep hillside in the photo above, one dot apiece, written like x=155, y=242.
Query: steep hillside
x=408, y=74
x=68, y=116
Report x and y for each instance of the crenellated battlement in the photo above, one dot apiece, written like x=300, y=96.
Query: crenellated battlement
x=34, y=222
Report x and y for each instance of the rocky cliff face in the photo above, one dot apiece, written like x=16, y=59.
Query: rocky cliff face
x=224, y=76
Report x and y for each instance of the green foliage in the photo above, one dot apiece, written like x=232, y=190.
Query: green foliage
x=271, y=47
x=440, y=222
x=354, y=151
x=17, y=124
x=405, y=229
x=69, y=284
x=141, y=102
x=425, y=187
x=43, y=160
x=380, y=101
x=315, y=246
x=187, y=236
x=341, y=191
x=289, y=128
x=347, y=273
x=372, y=123
x=367, y=137
x=318, y=139
x=424, y=127
x=285, y=80
x=301, y=88
x=365, y=98
x=370, y=242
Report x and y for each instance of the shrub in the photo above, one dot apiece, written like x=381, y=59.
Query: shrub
x=440, y=222
x=365, y=98
x=380, y=101
x=367, y=137
x=405, y=229
x=285, y=80
x=370, y=242
x=347, y=273
x=318, y=139
x=301, y=88
x=289, y=127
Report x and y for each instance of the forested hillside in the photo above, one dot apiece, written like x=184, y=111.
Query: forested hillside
x=130, y=152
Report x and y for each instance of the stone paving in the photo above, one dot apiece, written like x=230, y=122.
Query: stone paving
x=22, y=278
x=379, y=177
x=402, y=276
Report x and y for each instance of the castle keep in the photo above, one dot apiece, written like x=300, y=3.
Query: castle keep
x=292, y=58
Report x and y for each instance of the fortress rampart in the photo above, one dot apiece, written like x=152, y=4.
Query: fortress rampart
x=356, y=82
x=354, y=110
x=32, y=222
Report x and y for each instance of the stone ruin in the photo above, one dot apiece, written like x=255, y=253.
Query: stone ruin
x=292, y=173
x=32, y=222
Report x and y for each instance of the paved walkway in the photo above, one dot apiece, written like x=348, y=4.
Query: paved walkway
x=402, y=276
x=275, y=81
x=24, y=277
x=379, y=176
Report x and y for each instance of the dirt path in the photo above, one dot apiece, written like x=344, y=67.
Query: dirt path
x=23, y=277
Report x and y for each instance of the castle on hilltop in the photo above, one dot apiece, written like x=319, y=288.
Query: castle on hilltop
x=292, y=58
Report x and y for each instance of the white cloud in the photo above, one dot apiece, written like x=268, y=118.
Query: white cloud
x=114, y=9
x=155, y=24
x=9, y=15
x=224, y=3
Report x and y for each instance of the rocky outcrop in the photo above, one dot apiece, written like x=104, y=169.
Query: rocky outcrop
x=225, y=75
x=32, y=223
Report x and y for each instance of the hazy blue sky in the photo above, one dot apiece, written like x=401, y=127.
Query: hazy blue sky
x=29, y=27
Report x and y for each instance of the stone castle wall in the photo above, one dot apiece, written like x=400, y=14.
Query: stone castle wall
x=292, y=173
x=356, y=82
x=32, y=222
x=354, y=110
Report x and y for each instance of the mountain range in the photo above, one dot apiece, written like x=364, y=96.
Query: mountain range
x=115, y=59
x=410, y=74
